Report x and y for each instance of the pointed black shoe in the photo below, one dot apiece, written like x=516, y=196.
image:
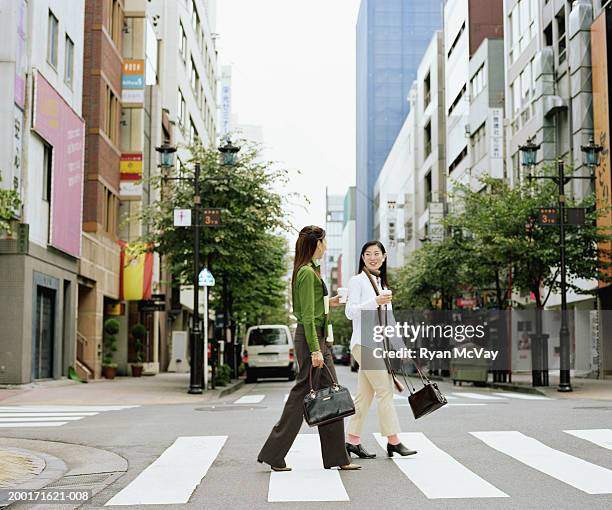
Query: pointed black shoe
x=398, y=448
x=359, y=451
x=284, y=467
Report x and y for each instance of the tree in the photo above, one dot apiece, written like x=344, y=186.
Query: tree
x=434, y=275
x=247, y=253
x=504, y=236
x=9, y=204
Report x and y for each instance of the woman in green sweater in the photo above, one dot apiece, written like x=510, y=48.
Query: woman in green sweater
x=310, y=302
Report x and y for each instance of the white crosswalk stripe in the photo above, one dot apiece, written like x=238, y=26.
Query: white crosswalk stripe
x=308, y=480
x=477, y=396
x=436, y=473
x=522, y=396
x=250, y=399
x=50, y=415
x=578, y=473
x=600, y=437
x=174, y=475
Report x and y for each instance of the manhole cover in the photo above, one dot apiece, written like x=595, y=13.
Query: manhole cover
x=601, y=408
x=79, y=480
x=220, y=409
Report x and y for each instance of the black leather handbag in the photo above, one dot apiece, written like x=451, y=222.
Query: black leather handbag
x=327, y=405
x=427, y=399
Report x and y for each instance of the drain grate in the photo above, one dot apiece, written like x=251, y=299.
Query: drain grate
x=221, y=409
x=80, y=480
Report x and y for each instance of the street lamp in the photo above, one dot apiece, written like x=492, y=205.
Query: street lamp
x=529, y=151
x=590, y=154
x=166, y=155
x=228, y=158
x=228, y=152
x=166, y=161
x=591, y=159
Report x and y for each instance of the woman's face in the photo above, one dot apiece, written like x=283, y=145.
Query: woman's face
x=373, y=257
x=321, y=246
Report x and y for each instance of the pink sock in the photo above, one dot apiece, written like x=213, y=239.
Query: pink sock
x=356, y=440
x=393, y=439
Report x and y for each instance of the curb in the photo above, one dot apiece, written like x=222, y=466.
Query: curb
x=231, y=388
x=81, y=467
x=54, y=469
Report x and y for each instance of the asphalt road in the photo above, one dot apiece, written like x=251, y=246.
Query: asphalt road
x=482, y=451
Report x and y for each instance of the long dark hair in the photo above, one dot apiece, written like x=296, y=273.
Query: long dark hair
x=305, y=248
x=383, y=268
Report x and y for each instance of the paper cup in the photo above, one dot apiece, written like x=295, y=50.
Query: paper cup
x=343, y=293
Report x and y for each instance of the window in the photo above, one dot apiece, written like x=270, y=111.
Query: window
x=524, y=23
x=561, y=40
x=47, y=172
x=458, y=160
x=428, y=189
x=183, y=43
x=195, y=19
x=478, y=143
x=111, y=115
x=457, y=100
x=427, y=140
x=195, y=79
x=456, y=41
x=69, y=62
x=110, y=212
x=548, y=35
x=113, y=22
x=477, y=84
x=52, y=40
x=426, y=91
x=193, y=132
x=181, y=109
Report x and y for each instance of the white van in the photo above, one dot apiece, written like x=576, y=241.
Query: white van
x=268, y=352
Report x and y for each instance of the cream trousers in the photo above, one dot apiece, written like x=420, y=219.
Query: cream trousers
x=371, y=382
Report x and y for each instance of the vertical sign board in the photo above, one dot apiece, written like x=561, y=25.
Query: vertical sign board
x=496, y=158
x=601, y=118
x=133, y=81
x=58, y=124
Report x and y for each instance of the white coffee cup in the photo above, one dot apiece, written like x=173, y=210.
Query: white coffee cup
x=386, y=292
x=343, y=293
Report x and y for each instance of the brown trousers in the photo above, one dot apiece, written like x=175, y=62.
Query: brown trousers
x=287, y=428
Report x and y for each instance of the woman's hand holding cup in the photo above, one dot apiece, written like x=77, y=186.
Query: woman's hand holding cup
x=385, y=297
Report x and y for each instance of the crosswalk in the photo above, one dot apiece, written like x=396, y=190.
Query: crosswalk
x=455, y=399
x=174, y=476
x=50, y=415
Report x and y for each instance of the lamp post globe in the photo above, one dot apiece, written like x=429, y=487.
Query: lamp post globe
x=529, y=153
x=590, y=153
x=166, y=155
x=228, y=152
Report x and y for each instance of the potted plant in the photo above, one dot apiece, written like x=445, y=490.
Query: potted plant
x=111, y=328
x=138, y=333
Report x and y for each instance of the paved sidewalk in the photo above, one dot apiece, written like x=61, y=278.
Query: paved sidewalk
x=597, y=389
x=165, y=388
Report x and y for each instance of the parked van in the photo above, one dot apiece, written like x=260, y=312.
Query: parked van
x=268, y=352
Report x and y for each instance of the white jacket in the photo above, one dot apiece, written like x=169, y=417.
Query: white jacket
x=361, y=296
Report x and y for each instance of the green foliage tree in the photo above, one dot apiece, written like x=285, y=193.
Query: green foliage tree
x=247, y=250
x=343, y=327
x=503, y=236
x=111, y=328
x=9, y=204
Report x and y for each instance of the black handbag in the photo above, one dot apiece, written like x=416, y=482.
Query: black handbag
x=327, y=405
x=427, y=399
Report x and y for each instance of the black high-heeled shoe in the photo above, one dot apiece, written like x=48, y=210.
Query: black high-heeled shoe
x=359, y=450
x=284, y=467
x=398, y=448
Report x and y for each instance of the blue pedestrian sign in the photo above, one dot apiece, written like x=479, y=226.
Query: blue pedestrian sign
x=206, y=279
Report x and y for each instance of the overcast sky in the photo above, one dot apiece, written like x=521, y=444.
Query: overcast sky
x=293, y=65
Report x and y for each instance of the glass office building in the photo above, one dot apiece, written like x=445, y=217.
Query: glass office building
x=392, y=36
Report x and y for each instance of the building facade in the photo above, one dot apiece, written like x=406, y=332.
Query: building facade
x=334, y=221
x=42, y=47
x=348, y=257
x=392, y=36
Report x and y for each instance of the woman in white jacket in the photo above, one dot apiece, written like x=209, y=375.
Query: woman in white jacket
x=377, y=381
